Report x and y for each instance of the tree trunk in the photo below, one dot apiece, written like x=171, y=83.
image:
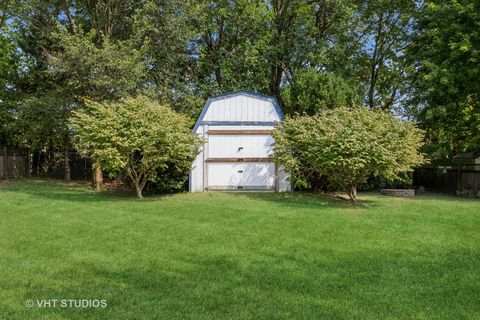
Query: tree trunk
x=139, y=193
x=35, y=163
x=66, y=161
x=375, y=64
x=97, y=176
x=5, y=163
x=138, y=189
x=352, y=194
x=71, y=23
x=138, y=181
x=275, y=81
x=29, y=163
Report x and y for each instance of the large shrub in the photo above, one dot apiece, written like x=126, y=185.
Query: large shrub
x=139, y=136
x=346, y=146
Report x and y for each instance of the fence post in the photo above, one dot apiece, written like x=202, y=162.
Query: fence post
x=14, y=165
x=5, y=162
x=28, y=172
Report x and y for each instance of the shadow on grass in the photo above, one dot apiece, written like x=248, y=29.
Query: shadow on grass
x=306, y=199
x=75, y=191
x=80, y=191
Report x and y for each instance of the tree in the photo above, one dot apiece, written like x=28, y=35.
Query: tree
x=162, y=28
x=388, y=27
x=230, y=44
x=346, y=146
x=445, y=75
x=365, y=43
x=9, y=61
x=77, y=68
x=137, y=135
x=96, y=69
x=71, y=50
x=303, y=34
x=313, y=91
x=259, y=45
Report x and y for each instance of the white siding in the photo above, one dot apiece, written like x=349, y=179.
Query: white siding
x=252, y=111
x=284, y=183
x=242, y=108
x=197, y=173
x=196, y=176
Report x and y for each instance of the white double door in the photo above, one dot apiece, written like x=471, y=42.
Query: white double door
x=239, y=146
x=259, y=175
x=241, y=174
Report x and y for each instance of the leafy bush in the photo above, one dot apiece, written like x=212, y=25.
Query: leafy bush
x=346, y=146
x=139, y=136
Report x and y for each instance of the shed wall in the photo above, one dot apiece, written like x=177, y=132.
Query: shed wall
x=238, y=112
x=241, y=108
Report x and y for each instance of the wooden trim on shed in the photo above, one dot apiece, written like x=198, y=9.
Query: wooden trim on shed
x=205, y=157
x=240, y=188
x=240, y=132
x=238, y=160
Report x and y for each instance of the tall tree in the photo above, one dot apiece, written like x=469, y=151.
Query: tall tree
x=73, y=50
x=9, y=61
x=162, y=29
x=103, y=71
x=445, y=75
x=301, y=33
x=230, y=45
x=389, y=24
x=312, y=92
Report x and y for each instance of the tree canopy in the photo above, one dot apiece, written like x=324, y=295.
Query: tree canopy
x=137, y=135
x=445, y=72
x=417, y=60
x=313, y=92
x=346, y=146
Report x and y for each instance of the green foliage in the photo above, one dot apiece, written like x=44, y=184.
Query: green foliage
x=78, y=67
x=95, y=69
x=9, y=61
x=161, y=28
x=231, y=45
x=180, y=52
x=445, y=71
x=346, y=146
x=387, y=25
x=312, y=92
x=136, y=135
x=42, y=120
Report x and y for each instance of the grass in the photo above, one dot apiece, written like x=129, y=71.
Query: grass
x=237, y=256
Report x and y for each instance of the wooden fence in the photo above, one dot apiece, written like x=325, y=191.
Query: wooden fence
x=462, y=180
x=13, y=163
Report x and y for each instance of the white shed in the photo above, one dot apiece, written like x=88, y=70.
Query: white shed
x=237, y=128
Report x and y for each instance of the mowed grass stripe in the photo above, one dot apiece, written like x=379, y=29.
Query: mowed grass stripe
x=237, y=255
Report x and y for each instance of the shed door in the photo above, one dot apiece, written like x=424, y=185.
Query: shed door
x=241, y=176
x=239, y=146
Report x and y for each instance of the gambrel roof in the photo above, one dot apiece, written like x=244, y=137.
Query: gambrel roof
x=240, y=108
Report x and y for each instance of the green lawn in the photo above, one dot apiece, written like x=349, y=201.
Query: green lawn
x=237, y=256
